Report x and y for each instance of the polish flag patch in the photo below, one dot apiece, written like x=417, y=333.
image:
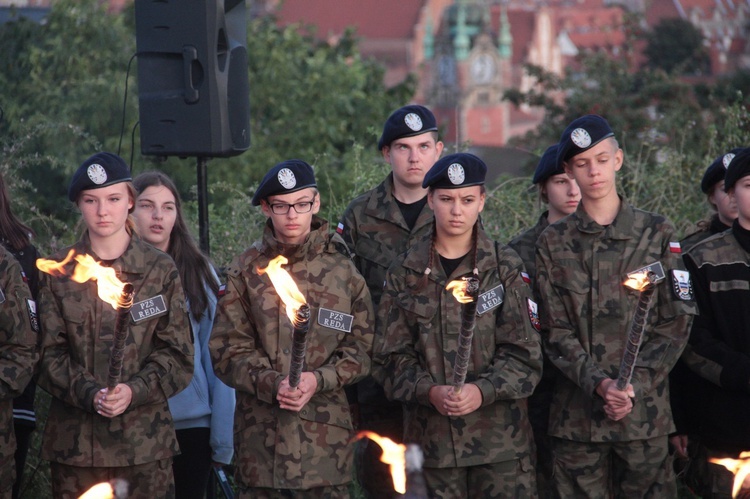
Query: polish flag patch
x=340, y=228
x=674, y=247
x=525, y=277
x=222, y=290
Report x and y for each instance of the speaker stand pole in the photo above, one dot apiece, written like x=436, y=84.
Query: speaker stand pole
x=203, y=204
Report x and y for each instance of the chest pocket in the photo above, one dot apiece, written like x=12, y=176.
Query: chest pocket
x=419, y=316
x=373, y=252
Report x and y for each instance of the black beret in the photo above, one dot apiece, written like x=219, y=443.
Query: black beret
x=581, y=135
x=100, y=170
x=548, y=166
x=455, y=171
x=716, y=171
x=738, y=167
x=288, y=176
x=407, y=122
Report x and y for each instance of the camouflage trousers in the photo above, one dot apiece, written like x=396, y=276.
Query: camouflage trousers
x=146, y=481
x=331, y=492
x=604, y=470
x=514, y=478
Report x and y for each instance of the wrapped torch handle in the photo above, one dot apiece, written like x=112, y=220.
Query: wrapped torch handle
x=635, y=335
x=468, y=321
x=301, y=324
x=124, y=302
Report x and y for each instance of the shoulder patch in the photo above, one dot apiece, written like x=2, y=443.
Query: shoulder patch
x=682, y=285
x=222, y=290
x=33, y=316
x=340, y=228
x=526, y=278
x=674, y=247
x=533, y=310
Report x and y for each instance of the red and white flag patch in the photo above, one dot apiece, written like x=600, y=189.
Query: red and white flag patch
x=525, y=277
x=675, y=247
x=340, y=228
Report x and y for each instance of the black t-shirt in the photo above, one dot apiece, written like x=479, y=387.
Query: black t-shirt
x=450, y=264
x=411, y=211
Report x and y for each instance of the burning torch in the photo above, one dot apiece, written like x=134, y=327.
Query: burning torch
x=466, y=292
x=644, y=281
x=404, y=462
x=741, y=470
x=110, y=290
x=296, y=309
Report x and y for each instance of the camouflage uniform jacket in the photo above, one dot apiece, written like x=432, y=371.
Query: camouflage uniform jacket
x=719, y=336
x=525, y=244
x=251, y=347
x=586, y=315
x=78, y=333
x=416, y=346
x=376, y=233
x=18, y=354
x=713, y=227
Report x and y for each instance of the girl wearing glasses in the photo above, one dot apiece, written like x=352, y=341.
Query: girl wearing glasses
x=293, y=441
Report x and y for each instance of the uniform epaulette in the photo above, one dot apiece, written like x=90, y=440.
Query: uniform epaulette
x=337, y=244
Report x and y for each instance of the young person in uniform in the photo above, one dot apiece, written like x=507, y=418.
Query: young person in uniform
x=477, y=442
x=203, y=413
x=293, y=441
x=718, y=338
x=19, y=328
x=607, y=442
x=94, y=434
x=561, y=195
x=15, y=237
x=378, y=226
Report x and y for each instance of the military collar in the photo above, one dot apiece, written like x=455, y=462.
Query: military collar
x=128, y=263
x=620, y=228
x=741, y=234
x=417, y=258
x=382, y=204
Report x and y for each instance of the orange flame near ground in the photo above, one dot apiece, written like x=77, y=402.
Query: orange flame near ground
x=393, y=455
x=740, y=467
x=284, y=285
x=458, y=287
x=638, y=281
x=108, y=286
x=99, y=491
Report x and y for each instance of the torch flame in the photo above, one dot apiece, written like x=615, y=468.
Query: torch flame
x=108, y=286
x=393, y=455
x=284, y=285
x=459, y=290
x=740, y=467
x=640, y=280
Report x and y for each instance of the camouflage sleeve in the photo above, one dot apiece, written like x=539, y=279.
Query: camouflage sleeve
x=236, y=351
x=18, y=340
x=64, y=379
x=516, y=367
x=168, y=368
x=559, y=330
x=712, y=358
x=350, y=362
x=347, y=229
x=668, y=328
x=396, y=363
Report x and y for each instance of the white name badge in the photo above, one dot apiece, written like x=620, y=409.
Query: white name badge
x=490, y=299
x=148, y=308
x=335, y=320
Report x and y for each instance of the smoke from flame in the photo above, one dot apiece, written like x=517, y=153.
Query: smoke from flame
x=284, y=285
x=108, y=286
x=740, y=467
x=393, y=455
x=458, y=287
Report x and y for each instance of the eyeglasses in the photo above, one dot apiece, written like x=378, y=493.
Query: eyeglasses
x=301, y=207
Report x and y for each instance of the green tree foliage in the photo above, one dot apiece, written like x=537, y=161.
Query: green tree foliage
x=676, y=46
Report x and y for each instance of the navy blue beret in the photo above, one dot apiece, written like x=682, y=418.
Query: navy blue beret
x=455, y=171
x=288, y=176
x=738, y=167
x=716, y=171
x=407, y=122
x=100, y=170
x=581, y=135
x=548, y=166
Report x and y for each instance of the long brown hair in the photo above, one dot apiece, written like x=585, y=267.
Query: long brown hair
x=194, y=267
x=16, y=233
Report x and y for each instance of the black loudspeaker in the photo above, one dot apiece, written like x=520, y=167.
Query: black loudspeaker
x=193, y=93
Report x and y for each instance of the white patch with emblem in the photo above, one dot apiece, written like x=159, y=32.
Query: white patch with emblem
x=580, y=137
x=490, y=299
x=33, y=316
x=533, y=310
x=286, y=178
x=456, y=174
x=335, y=320
x=148, y=308
x=413, y=121
x=97, y=173
x=728, y=157
x=682, y=285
